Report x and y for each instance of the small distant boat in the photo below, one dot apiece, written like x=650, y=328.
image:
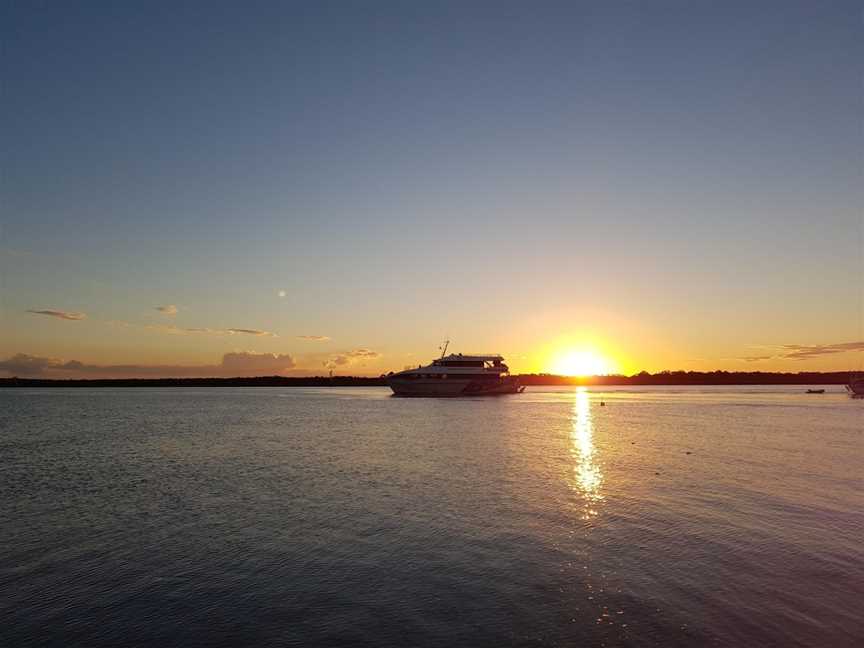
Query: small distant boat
x=815, y=391
x=457, y=375
x=856, y=387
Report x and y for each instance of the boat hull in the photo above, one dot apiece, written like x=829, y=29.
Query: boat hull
x=453, y=387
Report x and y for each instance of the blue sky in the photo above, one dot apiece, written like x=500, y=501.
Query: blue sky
x=677, y=184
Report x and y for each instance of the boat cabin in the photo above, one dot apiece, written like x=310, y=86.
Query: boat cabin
x=492, y=362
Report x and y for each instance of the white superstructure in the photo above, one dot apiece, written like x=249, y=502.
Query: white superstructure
x=456, y=374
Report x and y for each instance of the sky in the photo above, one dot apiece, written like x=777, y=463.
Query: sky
x=224, y=188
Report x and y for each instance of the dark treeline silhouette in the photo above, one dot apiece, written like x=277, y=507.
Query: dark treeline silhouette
x=642, y=378
x=696, y=378
x=257, y=381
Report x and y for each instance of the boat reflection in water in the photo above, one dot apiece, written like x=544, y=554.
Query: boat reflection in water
x=587, y=476
x=856, y=386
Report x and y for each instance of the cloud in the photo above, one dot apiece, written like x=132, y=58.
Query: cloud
x=256, y=332
x=805, y=351
x=363, y=353
x=350, y=357
x=264, y=363
x=177, y=330
x=170, y=310
x=22, y=364
x=234, y=364
x=314, y=338
x=67, y=315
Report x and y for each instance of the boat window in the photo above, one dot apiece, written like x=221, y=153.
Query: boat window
x=462, y=363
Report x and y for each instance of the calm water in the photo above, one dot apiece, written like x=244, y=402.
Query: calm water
x=669, y=516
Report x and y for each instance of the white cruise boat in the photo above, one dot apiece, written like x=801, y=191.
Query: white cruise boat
x=456, y=375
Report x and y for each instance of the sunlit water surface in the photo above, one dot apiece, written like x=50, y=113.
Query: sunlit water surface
x=668, y=516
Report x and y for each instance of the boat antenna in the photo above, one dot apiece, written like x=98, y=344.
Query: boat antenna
x=444, y=347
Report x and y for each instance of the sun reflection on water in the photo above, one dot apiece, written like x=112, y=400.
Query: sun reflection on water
x=587, y=476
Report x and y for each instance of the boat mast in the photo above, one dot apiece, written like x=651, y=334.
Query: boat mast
x=444, y=347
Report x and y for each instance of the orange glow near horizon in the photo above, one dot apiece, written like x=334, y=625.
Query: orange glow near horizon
x=581, y=362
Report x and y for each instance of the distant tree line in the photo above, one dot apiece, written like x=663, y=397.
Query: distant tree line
x=642, y=378
x=696, y=378
x=257, y=381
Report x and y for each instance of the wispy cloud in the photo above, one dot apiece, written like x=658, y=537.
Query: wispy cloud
x=66, y=315
x=171, y=329
x=255, y=332
x=804, y=351
x=177, y=330
x=314, y=338
x=235, y=364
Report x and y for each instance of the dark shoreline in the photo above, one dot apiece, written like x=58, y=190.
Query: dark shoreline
x=665, y=378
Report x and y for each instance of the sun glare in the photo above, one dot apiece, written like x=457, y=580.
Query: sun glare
x=581, y=363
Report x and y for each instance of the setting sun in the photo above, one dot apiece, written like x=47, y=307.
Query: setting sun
x=581, y=363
